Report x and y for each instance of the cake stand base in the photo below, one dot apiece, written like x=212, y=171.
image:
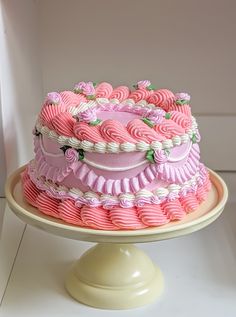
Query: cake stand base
x=114, y=276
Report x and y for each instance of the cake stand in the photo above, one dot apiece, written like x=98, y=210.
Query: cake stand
x=114, y=274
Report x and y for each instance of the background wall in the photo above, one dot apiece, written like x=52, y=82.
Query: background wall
x=184, y=45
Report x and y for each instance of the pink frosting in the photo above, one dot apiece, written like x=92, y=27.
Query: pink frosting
x=68, y=212
x=97, y=218
x=140, y=94
x=121, y=93
x=88, y=115
x=85, y=88
x=185, y=109
x=104, y=90
x=48, y=112
x=126, y=218
x=141, y=131
x=182, y=96
x=189, y=202
x=70, y=99
x=173, y=210
x=168, y=128
x=31, y=192
x=163, y=98
x=83, y=131
x=180, y=174
x=181, y=119
x=152, y=215
x=48, y=205
x=87, y=176
x=114, y=131
x=160, y=156
x=117, y=217
x=53, y=98
x=143, y=84
x=63, y=124
x=71, y=155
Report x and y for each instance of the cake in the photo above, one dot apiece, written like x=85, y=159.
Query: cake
x=116, y=158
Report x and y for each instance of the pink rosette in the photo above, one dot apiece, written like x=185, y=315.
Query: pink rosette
x=156, y=116
x=182, y=96
x=160, y=156
x=85, y=88
x=71, y=155
x=143, y=84
x=88, y=115
x=53, y=98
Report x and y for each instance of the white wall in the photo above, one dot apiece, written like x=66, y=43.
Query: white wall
x=184, y=45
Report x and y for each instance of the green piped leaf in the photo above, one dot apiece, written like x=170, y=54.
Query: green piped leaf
x=181, y=102
x=96, y=122
x=91, y=97
x=167, y=115
x=194, y=138
x=150, y=87
x=135, y=86
x=148, y=122
x=94, y=84
x=81, y=154
x=150, y=156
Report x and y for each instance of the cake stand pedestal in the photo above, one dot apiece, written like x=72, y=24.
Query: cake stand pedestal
x=114, y=274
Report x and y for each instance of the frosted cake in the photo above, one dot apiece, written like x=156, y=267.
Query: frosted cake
x=116, y=159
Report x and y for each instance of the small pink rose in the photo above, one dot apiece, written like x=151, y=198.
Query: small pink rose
x=143, y=84
x=85, y=88
x=156, y=116
x=160, y=156
x=71, y=155
x=182, y=96
x=53, y=98
x=89, y=115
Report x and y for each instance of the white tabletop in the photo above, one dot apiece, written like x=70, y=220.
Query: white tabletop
x=199, y=270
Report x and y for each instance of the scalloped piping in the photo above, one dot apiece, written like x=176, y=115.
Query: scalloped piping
x=116, y=218
x=95, y=199
x=113, y=147
x=99, y=184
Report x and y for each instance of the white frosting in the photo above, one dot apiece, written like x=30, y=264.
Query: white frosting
x=112, y=168
x=113, y=147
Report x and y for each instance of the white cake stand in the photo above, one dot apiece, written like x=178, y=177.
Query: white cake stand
x=114, y=274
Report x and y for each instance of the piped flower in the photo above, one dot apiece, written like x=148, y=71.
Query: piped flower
x=160, y=156
x=144, y=84
x=154, y=117
x=71, y=155
x=53, y=98
x=89, y=116
x=87, y=89
x=182, y=98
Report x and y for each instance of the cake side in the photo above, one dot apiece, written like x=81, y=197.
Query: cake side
x=111, y=159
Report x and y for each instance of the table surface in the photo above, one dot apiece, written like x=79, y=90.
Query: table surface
x=199, y=270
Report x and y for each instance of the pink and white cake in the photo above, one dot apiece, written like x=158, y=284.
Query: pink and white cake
x=114, y=159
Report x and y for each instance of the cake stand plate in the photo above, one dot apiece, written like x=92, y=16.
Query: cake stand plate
x=114, y=274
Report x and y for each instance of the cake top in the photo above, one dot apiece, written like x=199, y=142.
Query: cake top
x=99, y=118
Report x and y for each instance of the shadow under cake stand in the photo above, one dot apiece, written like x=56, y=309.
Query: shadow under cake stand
x=114, y=274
